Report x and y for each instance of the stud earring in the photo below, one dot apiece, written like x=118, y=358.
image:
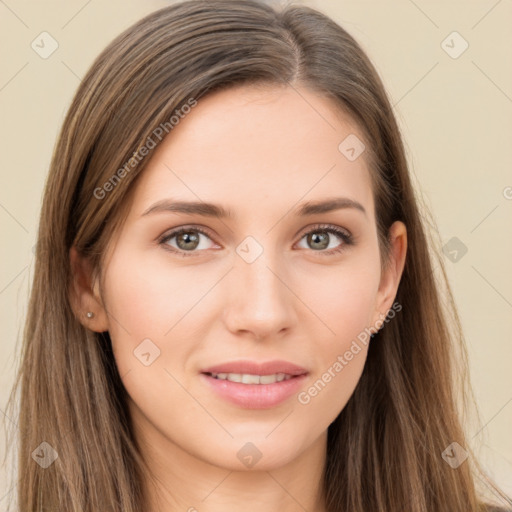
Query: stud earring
x=90, y=314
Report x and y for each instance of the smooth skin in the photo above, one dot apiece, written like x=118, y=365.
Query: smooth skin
x=261, y=153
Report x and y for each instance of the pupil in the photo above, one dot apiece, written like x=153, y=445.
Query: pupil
x=193, y=239
x=315, y=238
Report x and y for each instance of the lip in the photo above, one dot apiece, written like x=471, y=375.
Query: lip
x=256, y=368
x=255, y=396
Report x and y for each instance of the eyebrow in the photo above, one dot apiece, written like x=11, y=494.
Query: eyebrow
x=217, y=211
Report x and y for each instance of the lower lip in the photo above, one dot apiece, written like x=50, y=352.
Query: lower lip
x=255, y=396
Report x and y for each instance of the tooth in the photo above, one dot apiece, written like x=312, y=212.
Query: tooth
x=246, y=378
x=250, y=379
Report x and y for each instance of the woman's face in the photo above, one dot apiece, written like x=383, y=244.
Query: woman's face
x=262, y=284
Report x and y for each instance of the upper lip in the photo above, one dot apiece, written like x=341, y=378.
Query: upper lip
x=257, y=368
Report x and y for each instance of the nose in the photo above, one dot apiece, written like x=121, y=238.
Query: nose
x=261, y=302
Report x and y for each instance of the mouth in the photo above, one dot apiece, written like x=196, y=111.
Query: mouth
x=248, y=369
x=252, y=385
x=249, y=378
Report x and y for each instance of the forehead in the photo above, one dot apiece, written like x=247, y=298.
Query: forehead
x=257, y=148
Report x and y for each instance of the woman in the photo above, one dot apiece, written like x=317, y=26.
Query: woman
x=233, y=301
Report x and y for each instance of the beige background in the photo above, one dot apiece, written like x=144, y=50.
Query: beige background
x=456, y=117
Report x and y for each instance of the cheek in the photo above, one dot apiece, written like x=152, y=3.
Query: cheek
x=328, y=392
x=345, y=306
x=154, y=309
x=145, y=303
x=339, y=365
x=344, y=300
x=135, y=292
x=139, y=304
x=145, y=297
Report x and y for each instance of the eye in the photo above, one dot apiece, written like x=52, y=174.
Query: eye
x=320, y=238
x=187, y=240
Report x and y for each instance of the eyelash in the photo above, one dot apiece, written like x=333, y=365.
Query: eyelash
x=347, y=238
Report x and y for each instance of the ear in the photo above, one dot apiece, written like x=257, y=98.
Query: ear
x=391, y=275
x=85, y=294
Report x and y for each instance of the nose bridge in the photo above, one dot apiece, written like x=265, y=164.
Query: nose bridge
x=260, y=277
x=260, y=302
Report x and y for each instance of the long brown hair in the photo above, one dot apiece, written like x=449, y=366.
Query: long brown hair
x=385, y=447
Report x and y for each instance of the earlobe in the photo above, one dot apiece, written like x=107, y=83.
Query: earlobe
x=84, y=294
x=390, y=278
